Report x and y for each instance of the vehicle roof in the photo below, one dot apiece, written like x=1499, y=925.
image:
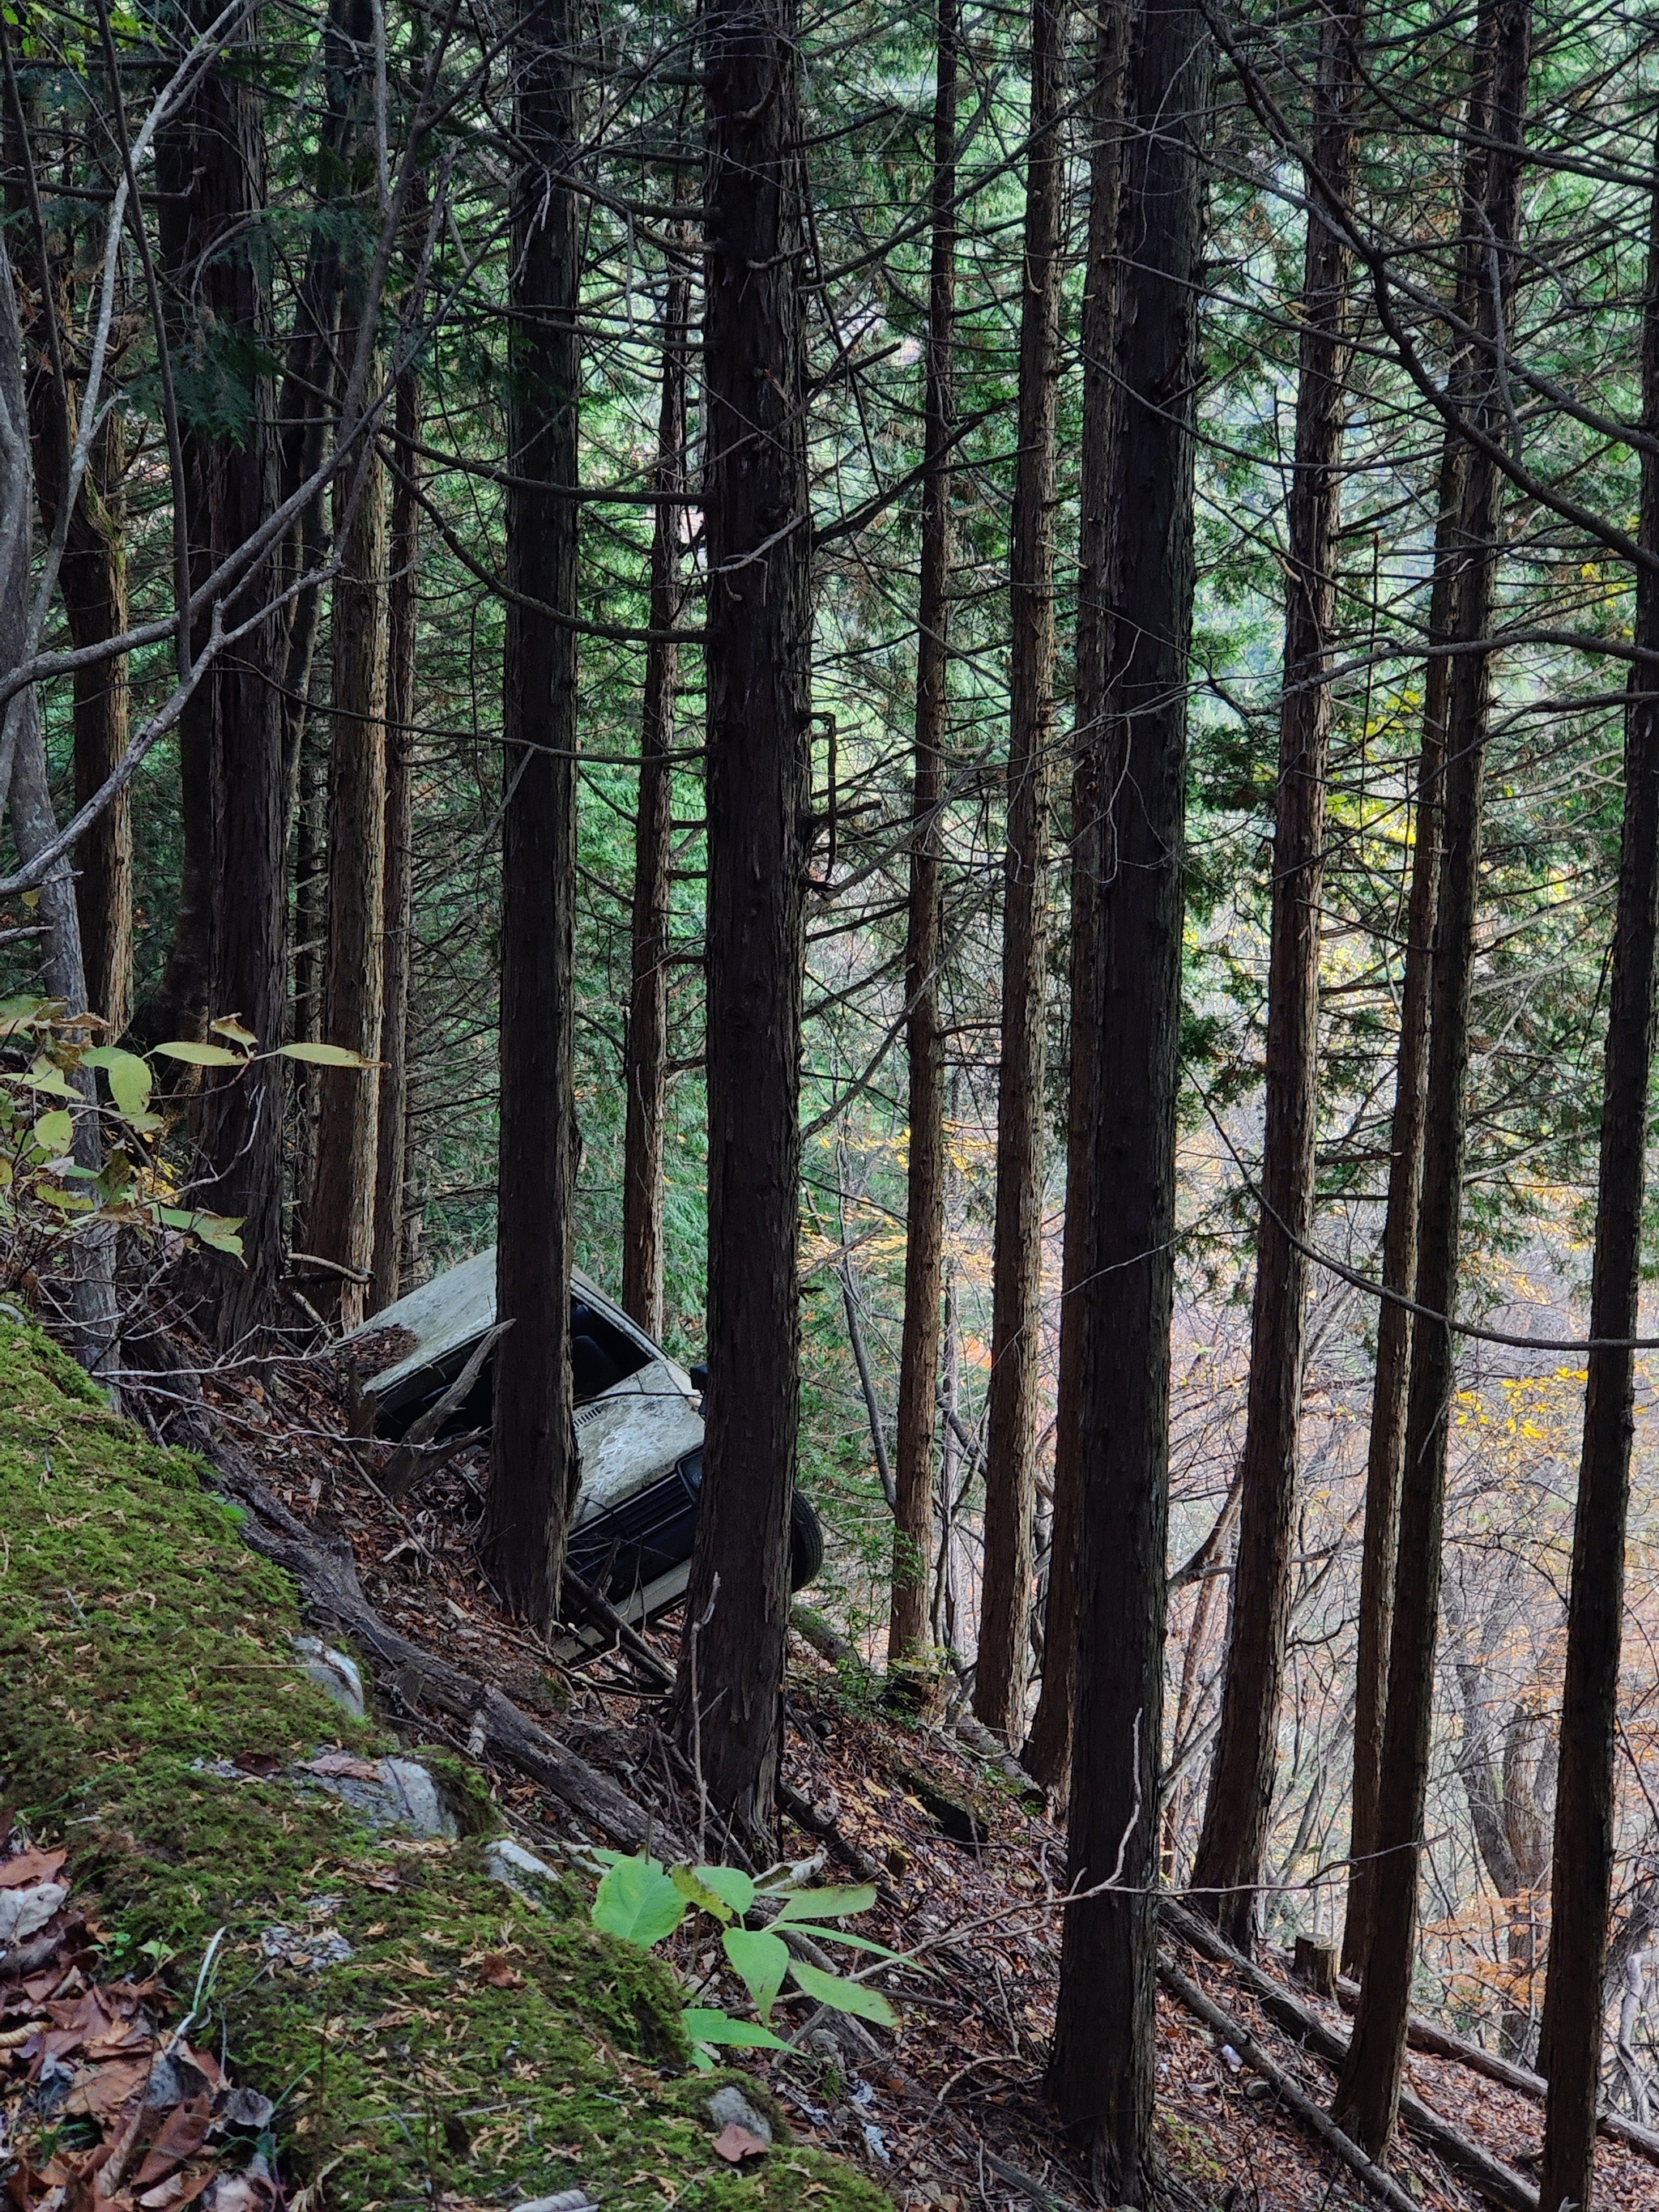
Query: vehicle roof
x=454, y=1309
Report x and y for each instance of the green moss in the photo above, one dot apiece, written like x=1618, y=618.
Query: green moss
x=470, y=2047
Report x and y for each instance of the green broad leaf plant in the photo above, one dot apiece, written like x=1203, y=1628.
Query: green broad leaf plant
x=643, y=1901
x=53, y=1188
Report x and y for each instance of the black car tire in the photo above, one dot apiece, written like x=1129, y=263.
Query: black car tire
x=805, y=1543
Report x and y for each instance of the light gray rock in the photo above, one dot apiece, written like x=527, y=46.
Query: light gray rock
x=568, y=2200
x=332, y=1671
x=523, y=1873
x=308, y=1949
x=730, y=2108
x=403, y=1795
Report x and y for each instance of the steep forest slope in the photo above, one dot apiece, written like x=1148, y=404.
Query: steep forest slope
x=425, y=2034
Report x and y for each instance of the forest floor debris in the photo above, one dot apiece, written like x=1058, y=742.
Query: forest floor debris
x=103, y=2101
x=952, y=2116
x=431, y=2041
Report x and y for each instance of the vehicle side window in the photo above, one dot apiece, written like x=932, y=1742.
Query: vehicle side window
x=601, y=1354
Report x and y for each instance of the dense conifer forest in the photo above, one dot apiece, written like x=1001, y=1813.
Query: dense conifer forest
x=968, y=700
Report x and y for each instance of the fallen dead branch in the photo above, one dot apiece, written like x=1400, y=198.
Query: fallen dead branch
x=1440, y=2043
x=1313, y=2116
x=328, y=1578
x=1497, y=2183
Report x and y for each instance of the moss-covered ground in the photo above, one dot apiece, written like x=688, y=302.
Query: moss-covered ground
x=471, y=2049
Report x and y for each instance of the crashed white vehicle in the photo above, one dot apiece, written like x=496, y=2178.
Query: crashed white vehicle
x=639, y=1432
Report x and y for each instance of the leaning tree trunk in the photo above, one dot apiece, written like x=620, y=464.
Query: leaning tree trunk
x=1385, y=1447
x=1228, y=1865
x=645, y=1051
x=924, y=1238
x=1582, y=1882
x=1101, y=2073
x=758, y=661
x=1048, y=1751
x=533, y=1455
x=1368, y=2093
x=398, y=903
x=1016, y=1262
x=340, y=1220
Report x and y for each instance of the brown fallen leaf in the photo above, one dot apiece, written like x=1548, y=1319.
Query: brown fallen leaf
x=734, y=2144
x=179, y=2189
x=127, y=2036
x=258, y=1763
x=30, y=1866
x=180, y=2136
x=105, y=2091
x=342, y=1762
x=204, y=2062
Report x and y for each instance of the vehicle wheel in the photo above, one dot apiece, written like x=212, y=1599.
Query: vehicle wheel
x=805, y=1543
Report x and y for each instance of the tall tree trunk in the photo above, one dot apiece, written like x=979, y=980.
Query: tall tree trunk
x=645, y=1050
x=313, y=370
x=1582, y=1882
x=1017, y=1264
x=533, y=1456
x=1048, y=1753
x=228, y=953
x=1228, y=1866
x=1368, y=2093
x=340, y=1221
x=1101, y=2073
x=397, y=905
x=310, y=936
x=758, y=662
x=924, y=1238
x=93, y=578
x=95, y=583
x=1385, y=1455
x=93, y=1313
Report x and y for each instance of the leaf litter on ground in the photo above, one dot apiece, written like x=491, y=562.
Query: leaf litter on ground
x=104, y=2105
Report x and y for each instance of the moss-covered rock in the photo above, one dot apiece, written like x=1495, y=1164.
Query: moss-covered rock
x=431, y=2037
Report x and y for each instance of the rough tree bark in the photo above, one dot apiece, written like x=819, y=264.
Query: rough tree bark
x=227, y=957
x=397, y=902
x=1581, y=1887
x=1368, y=2094
x=313, y=369
x=340, y=1219
x=93, y=1312
x=533, y=1455
x=757, y=654
x=1016, y=1260
x=1048, y=1751
x=1227, y=1868
x=1386, y=1445
x=1101, y=2073
x=646, y=1050
x=924, y=1243
x=93, y=578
